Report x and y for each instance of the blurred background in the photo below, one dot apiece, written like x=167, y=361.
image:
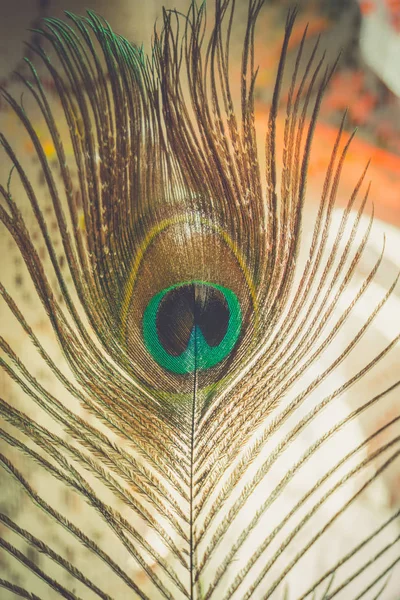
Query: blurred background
x=366, y=83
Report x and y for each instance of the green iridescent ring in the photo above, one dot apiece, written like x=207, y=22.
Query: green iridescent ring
x=192, y=326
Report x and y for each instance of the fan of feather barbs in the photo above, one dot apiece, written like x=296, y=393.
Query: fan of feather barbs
x=185, y=371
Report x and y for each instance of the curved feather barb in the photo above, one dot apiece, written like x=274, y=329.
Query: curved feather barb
x=197, y=345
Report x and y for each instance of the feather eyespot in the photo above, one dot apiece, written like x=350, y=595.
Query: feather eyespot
x=192, y=326
x=188, y=269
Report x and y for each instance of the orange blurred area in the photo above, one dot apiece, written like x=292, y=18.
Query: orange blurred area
x=47, y=145
x=383, y=172
x=353, y=88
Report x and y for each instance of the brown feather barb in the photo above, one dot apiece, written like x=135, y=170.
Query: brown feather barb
x=197, y=345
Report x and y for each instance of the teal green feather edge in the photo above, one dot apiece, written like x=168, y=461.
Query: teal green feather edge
x=170, y=475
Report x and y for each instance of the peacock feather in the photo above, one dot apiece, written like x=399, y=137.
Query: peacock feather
x=196, y=343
